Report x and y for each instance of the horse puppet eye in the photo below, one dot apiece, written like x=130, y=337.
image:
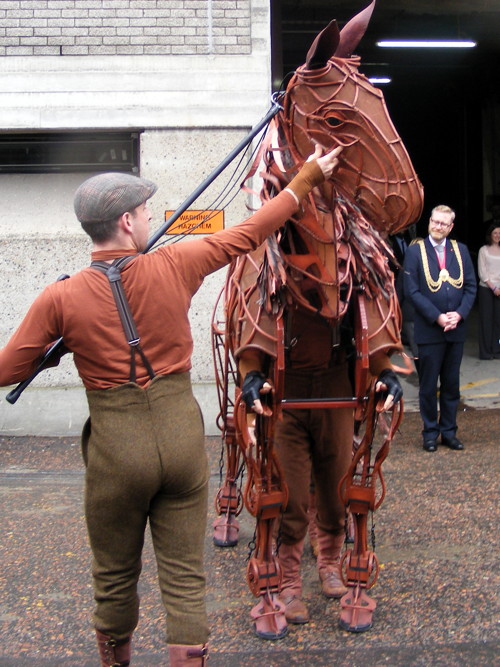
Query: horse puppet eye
x=333, y=121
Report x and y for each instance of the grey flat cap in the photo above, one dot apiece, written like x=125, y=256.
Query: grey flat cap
x=107, y=196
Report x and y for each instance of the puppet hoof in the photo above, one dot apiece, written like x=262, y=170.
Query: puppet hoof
x=226, y=531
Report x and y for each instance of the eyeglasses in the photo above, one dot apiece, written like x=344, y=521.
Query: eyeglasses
x=440, y=223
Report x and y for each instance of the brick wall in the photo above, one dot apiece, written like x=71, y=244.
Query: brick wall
x=124, y=27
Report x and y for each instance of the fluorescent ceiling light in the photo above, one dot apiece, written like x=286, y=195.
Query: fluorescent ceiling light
x=379, y=79
x=426, y=44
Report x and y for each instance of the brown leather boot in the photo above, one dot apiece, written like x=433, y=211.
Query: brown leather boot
x=187, y=655
x=113, y=652
x=328, y=563
x=289, y=556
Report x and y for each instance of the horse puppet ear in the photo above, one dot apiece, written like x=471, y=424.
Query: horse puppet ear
x=330, y=42
x=323, y=47
x=353, y=31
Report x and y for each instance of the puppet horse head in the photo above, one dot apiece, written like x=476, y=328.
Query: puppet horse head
x=329, y=102
x=332, y=245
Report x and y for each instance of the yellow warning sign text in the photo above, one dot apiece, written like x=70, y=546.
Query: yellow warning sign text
x=196, y=222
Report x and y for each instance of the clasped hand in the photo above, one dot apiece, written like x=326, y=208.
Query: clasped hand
x=449, y=321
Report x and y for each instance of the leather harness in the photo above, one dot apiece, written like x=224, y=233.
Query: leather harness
x=112, y=271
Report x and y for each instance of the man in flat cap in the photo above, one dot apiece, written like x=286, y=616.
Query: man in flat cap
x=125, y=319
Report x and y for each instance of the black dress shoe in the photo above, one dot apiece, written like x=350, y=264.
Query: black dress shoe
x=430, y=445
x=452, y=443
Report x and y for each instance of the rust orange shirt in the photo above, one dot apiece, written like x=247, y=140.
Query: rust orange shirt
x=159, y=286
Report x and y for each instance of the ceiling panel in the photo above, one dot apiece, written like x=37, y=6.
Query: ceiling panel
x=479, y=21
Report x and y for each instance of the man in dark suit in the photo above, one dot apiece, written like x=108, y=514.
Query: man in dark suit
x=440, y=282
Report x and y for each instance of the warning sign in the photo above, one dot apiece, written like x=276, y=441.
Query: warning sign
x=196, y=222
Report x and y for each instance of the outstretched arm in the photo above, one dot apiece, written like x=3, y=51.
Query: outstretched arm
x=213, y=252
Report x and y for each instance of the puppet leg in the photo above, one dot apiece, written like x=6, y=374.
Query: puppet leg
x=264, y=577
x=359, y=565
x=228, y=502
x=357, y=606
x=265, y=497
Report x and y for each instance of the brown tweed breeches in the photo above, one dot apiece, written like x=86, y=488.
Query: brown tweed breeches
x=145, y=459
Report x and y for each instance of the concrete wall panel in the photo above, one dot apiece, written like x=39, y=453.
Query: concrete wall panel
x=46, y=240
x=191, y=101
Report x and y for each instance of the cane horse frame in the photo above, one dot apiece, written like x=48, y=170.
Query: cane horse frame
x=331, y=259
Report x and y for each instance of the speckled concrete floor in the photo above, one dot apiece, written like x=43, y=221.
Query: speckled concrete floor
x=436, y=539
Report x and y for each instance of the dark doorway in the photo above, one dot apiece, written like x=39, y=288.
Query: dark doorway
x=438, y=99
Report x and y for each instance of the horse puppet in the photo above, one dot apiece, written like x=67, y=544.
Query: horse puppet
x=330, y=259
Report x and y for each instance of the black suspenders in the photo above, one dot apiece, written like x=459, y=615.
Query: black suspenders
x=128, y=324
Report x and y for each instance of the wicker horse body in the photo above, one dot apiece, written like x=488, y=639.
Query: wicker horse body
x=329, y=258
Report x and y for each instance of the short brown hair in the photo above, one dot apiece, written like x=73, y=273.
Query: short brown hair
x=442, y=208
x=100, y=232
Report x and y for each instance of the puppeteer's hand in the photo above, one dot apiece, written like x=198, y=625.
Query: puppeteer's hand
x=327, y=163
x=254, y=385
x=388, y=383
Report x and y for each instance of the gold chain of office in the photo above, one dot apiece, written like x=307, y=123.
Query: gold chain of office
x=444, y=276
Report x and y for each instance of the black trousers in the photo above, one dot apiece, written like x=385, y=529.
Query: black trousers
x=439, y=362
x=489, y=324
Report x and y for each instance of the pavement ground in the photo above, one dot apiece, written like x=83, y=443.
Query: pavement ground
x=436, y=538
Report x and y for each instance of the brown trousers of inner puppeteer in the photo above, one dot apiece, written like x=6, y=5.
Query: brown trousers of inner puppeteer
x=145, y=458
x=321, y=438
